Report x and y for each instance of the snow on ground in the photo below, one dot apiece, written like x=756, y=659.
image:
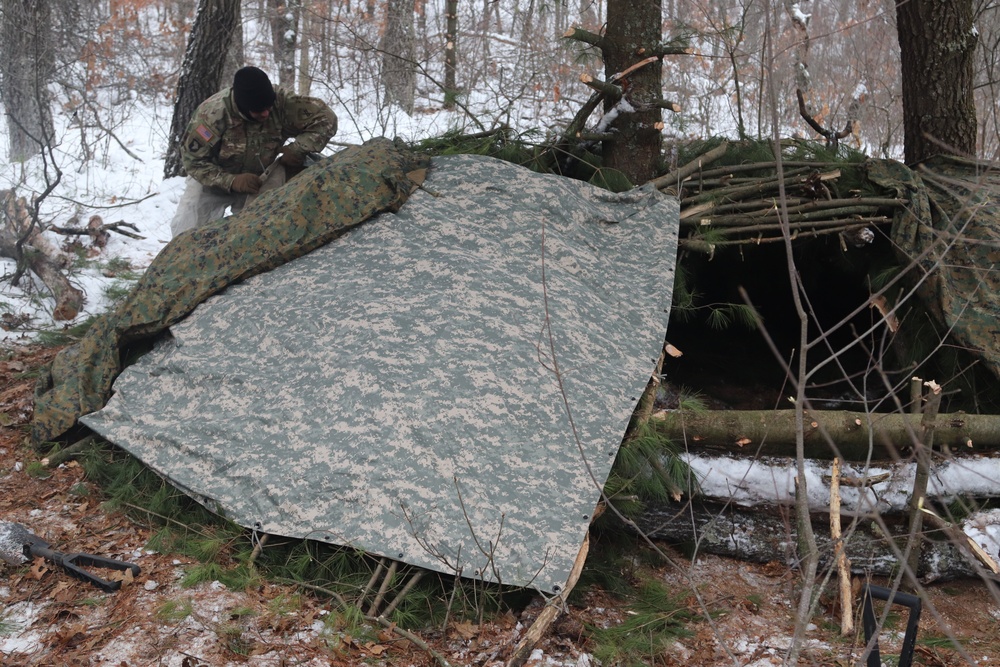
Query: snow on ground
x=123, y=181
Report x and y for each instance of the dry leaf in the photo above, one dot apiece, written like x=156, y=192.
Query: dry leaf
x=374, y=649
x=743, y=441
x=466, y=630
x=125, y=576
x=38, y=568
x=62, y=592
x=672, y=351
x=882, y=305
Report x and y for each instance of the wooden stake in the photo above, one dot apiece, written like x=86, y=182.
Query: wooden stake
x=843, y=565
x=377, y=602
x=553, y=608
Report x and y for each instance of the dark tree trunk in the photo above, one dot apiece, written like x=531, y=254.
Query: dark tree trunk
x=450, y=52
x=398, y=69
x=937, y=43
x=633, y=30
x=27, y=63
x=201, y=74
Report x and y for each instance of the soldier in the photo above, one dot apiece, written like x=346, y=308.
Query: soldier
x=236, y=135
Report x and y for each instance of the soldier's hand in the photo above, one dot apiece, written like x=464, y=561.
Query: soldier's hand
x=292, y=159
x=247, y=183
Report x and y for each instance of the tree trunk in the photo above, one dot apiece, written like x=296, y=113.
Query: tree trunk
x=633, y=30
x=306, y=39
x=284, y=37
x=398, y=69
x=937, y=43
x=235, y=57
x=27, y=64
x=215, y=24
x=450, y=53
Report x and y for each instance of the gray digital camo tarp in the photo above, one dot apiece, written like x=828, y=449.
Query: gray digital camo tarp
x=397, y=390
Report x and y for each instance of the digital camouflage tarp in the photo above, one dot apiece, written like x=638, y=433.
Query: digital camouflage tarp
x=330, y=197
x=446, y=385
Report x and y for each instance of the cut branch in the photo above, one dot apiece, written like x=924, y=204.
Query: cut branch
x=669, y=106
x=106, y=227
x=585, y=36
x=832, y=136
x=678, y=48
x=603, y=87
x=692, y=167
x=20, y=240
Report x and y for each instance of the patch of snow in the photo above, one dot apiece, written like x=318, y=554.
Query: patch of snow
x=21, y=639
x=765, y=480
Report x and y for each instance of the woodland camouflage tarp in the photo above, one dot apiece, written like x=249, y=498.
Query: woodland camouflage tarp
x=446, y=385
x=950, y=229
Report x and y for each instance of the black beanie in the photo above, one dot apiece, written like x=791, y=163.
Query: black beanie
x=252, y=90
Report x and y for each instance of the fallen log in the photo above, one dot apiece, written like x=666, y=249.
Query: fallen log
x=772, y=432
x=21, y=241
x=767, y=535
x=887, y=488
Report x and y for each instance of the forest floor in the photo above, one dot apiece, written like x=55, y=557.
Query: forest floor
x=49, y=619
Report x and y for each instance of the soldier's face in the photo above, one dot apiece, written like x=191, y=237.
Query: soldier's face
x=260, y=116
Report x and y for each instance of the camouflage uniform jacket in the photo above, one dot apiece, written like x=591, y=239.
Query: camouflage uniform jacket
x=220, y=142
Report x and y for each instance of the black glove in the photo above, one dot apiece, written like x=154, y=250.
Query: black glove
x=246, y=183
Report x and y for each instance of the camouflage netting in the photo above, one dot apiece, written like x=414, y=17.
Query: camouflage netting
x=951, y=229
x=396, y=390
x=329, y=198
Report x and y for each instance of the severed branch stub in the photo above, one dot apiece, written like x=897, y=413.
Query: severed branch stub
x=603, y=87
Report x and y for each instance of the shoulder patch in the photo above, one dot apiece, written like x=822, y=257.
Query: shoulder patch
x=204, y=133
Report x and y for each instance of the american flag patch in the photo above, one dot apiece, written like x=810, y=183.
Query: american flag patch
x=204, y=133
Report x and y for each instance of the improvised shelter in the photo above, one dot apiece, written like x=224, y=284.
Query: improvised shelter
x=446, y=385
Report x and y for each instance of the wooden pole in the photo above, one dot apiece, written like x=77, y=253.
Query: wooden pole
x=843, y=565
